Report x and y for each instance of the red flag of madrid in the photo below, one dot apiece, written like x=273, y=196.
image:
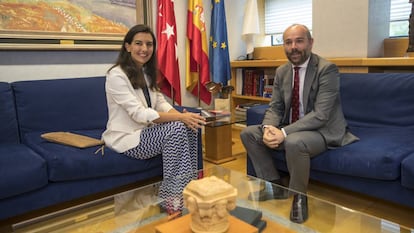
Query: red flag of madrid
x=169, y=79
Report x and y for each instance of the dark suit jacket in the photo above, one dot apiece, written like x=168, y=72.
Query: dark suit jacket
x=321, y=102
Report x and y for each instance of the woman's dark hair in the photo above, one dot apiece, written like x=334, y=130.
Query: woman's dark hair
x=125, y=61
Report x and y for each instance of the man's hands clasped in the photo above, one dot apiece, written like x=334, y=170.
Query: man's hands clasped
x=272, y=137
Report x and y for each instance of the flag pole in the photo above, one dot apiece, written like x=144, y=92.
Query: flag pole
x=172, y=95
x=198, y=87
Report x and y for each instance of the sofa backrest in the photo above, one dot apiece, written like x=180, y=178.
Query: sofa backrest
x=61, y=104
x=8, y=123
x=378, y=99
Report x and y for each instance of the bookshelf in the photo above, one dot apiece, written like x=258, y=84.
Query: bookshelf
x=238, y=71
x=252, y=85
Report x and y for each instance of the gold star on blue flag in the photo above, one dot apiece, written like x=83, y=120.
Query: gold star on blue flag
x=219, y=47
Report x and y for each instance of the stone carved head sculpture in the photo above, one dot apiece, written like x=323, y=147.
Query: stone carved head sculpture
x=209, y=201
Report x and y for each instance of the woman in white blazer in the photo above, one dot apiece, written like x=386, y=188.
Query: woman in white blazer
x=141, y=123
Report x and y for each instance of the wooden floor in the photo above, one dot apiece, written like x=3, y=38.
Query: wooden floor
x=395, y=213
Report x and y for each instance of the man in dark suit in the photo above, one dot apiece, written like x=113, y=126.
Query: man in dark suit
x=317, y=125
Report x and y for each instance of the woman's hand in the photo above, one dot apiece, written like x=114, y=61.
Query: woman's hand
x=192, y=120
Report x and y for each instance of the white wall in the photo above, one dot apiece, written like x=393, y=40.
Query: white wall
x=340, y=20
x=350, y=30
x=34, y=65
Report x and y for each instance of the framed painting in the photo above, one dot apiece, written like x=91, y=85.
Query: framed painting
x=69, y=24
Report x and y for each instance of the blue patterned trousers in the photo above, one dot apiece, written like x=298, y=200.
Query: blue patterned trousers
x=178, y=145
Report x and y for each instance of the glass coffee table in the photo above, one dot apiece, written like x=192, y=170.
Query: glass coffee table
x=139, y=211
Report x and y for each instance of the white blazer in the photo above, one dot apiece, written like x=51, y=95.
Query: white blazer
x=128, y=112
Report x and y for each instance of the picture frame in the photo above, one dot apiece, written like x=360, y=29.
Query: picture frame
x=69, y=25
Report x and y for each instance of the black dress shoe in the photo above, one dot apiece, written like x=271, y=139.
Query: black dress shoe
x=280, y=192
x=299, y=211
x=268, y=193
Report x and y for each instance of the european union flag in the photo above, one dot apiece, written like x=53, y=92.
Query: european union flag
x=219, y=48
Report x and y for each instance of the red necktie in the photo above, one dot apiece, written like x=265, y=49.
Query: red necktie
x=295, y=96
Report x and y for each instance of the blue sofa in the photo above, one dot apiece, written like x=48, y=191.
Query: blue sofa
x=36, y=174
x=379, y=109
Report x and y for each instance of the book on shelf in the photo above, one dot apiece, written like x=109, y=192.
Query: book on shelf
x=268, y=86
x=255, y=82
x=239, y=115
x=240, y=124
x=239, y=81
x=267, y=91
x=248, y=105
x=241, y=110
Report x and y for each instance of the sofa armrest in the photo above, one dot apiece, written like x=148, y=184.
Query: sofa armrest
x=255, y=114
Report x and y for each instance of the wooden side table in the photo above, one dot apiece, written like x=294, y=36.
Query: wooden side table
x=218, y=142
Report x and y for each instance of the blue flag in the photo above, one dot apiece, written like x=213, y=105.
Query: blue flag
x=219, y=48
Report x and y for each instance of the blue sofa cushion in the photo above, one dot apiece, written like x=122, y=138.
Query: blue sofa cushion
x=68, y=104
x=21, y=170
x=372, y=103
x=255, y=114
x=8, y=128
x=366, y=158
x=69, y=163
x=407, y=172
x=377, y=155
